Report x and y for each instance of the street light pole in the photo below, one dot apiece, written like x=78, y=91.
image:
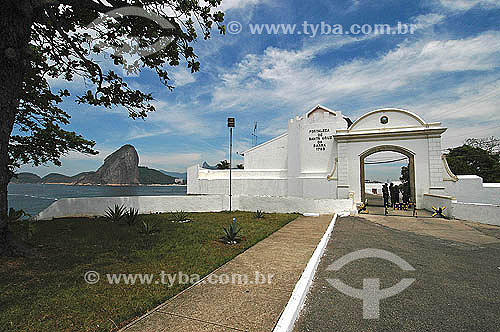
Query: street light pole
x=230, y=124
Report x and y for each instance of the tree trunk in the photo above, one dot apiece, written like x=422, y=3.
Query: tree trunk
x=15, y=27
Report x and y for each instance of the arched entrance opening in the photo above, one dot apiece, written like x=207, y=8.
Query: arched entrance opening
x=388, y=148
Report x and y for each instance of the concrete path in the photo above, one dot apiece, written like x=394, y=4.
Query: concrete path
x=255, y=306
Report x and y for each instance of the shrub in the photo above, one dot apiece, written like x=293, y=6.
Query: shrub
x=115, y=214
x=131, y=216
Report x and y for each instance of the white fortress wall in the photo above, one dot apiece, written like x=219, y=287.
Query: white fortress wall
x=374, y=188
x=320, y=158
x=244, y=182
x=272, y=154
x=471, y=189
x=96, y=206
x=483, y=213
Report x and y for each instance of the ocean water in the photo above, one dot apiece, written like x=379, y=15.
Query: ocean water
x=33, y=198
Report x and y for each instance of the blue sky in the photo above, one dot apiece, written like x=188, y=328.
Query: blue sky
x=447, y=71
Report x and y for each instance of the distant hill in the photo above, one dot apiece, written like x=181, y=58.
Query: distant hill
x=26, y=178
x=58, y=178
x=146, y=176
x=152, y=176
x=120, y=167
x=176, y=175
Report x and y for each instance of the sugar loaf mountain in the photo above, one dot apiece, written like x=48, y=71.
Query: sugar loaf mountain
x=119, y=168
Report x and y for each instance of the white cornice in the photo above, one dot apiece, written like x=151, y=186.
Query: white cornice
x=346, y=135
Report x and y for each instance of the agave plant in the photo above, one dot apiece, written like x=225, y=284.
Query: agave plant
x=231, y=233
x=180, y=216
x=131, y=216
x=15, y=215
x=116, y=214
x=147, y=228
x=259, y=214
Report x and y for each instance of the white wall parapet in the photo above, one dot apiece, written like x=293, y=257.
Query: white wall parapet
x=471, y=189
x=96, y=206
x=482, y=213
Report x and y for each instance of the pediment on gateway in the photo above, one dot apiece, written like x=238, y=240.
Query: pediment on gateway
x=388, y=119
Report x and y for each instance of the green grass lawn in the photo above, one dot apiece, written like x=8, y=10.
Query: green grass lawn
x=47, y=291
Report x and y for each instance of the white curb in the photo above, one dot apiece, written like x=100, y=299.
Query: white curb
x=296, y=302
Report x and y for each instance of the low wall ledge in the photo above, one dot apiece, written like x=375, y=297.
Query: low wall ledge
x=441, y=196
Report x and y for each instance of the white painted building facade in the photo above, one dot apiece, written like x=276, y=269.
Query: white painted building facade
x=320, y=157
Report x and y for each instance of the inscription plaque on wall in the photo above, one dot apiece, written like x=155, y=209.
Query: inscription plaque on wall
x=319, y=138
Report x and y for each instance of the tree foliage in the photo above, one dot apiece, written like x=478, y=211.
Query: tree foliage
x=224, y=164
x=61, y=47
x=469, y=160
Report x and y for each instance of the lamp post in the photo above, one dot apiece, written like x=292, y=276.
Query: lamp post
x=230, y=124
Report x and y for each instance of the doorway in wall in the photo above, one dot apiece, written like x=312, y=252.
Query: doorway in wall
x=387, y=164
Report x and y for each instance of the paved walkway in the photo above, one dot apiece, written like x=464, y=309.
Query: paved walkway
x=251, y=307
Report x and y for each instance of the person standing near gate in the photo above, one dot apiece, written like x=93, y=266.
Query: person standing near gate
x=391, y=193
x=385, y=192
x=396, y=195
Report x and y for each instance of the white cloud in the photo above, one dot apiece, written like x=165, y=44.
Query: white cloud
x=462, y=5
x=103, y=153
x=136, y=133
x=456, y=136
x=428, y=20
x=180, y=119
x=182, y=76
x=289, y=82
x=475, y=99
x=289, y=78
